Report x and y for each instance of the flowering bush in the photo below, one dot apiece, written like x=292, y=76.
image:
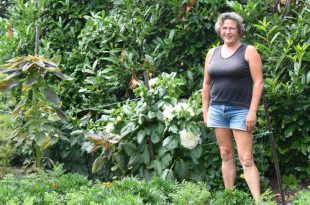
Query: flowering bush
x=160, y=134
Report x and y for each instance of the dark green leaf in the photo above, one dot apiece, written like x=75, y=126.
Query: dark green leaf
x=62, y=76
x=60, y=113
x=51, y=96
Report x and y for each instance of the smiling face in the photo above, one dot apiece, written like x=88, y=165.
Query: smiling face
x=229, y=32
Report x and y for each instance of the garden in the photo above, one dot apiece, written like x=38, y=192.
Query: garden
x=101, y=102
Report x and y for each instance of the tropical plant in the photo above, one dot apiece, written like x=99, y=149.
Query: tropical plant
x=38, y=106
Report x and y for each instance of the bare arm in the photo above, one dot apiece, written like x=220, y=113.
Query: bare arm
x=256, y=70
x=206, y=87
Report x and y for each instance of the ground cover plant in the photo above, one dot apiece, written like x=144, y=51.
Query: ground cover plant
x=56, y=187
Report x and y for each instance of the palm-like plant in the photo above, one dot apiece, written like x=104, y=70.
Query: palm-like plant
x=39, y=106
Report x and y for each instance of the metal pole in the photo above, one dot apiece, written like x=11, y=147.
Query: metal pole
x=273, y=146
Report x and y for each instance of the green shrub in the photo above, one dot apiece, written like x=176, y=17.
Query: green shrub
x=231, y=197
x=302, y=197
x=188, y=193
x=54, y=187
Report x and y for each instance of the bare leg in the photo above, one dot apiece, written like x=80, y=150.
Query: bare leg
x=224, y=139
x=244, y=141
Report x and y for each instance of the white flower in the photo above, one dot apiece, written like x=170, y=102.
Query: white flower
x=189, y=139
x=181, y=106
x=185, y=107
x=109, y=127
x=168, y=112
x=153, y=81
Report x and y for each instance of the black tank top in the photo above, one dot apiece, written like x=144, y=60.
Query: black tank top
x=231, y=81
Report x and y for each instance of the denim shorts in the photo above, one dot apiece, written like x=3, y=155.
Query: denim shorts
x=227, y=116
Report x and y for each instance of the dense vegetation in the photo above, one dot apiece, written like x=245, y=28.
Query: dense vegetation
x=151, y=55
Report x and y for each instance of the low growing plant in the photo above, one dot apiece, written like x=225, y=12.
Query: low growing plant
x=231, y=197
x=302, y=197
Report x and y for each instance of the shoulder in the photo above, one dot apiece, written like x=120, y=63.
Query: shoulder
x=251, y=52
x=210, y=53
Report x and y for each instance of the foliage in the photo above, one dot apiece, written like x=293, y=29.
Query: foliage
x=58, y=188
x=302, y=197
x=287, y=86
x=116, y=47
x=159, y=135
x=6, y=149
x=107, y=47
x=231, y=197
x=190, y=193
x=38, y=107
x=290, y=182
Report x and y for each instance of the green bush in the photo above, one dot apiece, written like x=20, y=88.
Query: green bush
x=302, y=197
x=231, y=197
x=189, y=193
x=158, y=135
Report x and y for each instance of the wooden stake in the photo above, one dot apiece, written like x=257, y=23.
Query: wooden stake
x=273, y=146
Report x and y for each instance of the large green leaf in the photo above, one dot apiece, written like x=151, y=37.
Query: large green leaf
x=98, y=164
x=157, y=166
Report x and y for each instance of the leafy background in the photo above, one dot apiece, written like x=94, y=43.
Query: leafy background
x=110, y=47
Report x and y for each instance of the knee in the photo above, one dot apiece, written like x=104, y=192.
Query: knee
x=247, y=162
x=227, y=155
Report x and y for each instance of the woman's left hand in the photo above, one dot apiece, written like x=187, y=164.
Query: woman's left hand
x=251, y=121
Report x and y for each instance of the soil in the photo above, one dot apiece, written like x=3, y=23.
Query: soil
x=288, y=193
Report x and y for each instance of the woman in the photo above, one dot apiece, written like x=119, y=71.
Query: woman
x=232, y=88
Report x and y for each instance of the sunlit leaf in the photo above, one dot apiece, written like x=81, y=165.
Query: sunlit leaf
x=27, y=66
x=39, y=63
x=13, y=60
x=56, y=60
x=52, y=69
x=53, y=117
